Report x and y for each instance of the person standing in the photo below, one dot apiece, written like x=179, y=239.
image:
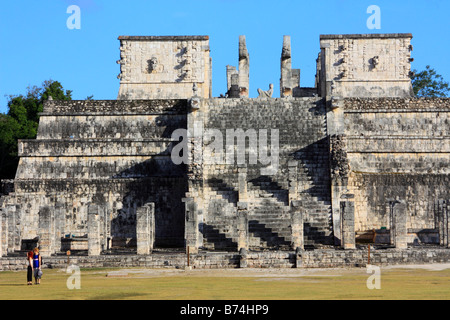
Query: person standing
x=37, y=261
x=30, y=268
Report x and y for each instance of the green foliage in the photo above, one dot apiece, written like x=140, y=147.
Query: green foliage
x=428, y=83
x=9, y=131
x=22, y=120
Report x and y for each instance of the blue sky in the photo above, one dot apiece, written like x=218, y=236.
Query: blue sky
x=37, y=45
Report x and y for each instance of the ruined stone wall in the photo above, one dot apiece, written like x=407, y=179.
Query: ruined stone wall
x=113, y=154
x=398, y=149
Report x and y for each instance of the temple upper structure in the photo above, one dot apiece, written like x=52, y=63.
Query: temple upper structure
x=365, y=65
x=164, y=67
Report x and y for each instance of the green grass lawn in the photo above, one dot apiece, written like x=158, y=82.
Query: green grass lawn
x=212, y=285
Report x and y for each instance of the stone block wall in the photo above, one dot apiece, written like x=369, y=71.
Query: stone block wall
x=398, y=149
x=164, y=67
x=365, y=65
x=111, y=154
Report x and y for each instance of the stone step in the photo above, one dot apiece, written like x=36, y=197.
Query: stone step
x=214, y=238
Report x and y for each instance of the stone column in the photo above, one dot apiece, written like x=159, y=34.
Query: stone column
x=339, y=171
x=290, y=78
x=60, y=215
x=398, y=224
x=46, y=231
x=106, y=227
x=93, y=222
x=242, y=183
x=447, y=225
x=347, y=210
x=232, y=72
x=234, y=89
x=244, y=68
x=194, y=197
x=299, y=258
x=297, y=231
x=145, y=228
x=443, y=217
x=242, y=225
x=3, y=233
x=243, y=255
x=191, y=227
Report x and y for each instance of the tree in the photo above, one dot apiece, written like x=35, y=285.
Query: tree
x=9, y=130
x=22, y=120
x=428, y=83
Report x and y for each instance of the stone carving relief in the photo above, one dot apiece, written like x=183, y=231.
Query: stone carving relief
x=153, y=66
x=374, y=62
x=125, y=50
x=340, y=167
x=184, y=60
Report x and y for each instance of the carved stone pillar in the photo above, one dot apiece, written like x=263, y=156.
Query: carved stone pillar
x=347, y=210
x=145, y=228
x=398, y=224
x=244, y=68
x=299, y=258
x=243, y=262
x=46, y=231
x=297, y=229
x=3, y=233
x=232, y=82
x=93, y=221
x=191, y=226
x=443, y=221
x=234, y=88
x=242, y=225
x=242, y=183
x=194, y=197
x=290, y=78
x=339, y=167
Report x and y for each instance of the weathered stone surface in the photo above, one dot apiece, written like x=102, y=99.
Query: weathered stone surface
x=174, y=63
x=347, y=68
x=297, y=225
x=145, y=228
x=348, y=224
x=290, y=78
x=94, y=246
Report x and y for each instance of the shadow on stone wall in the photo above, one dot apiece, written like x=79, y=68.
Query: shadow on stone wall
x=157, y=180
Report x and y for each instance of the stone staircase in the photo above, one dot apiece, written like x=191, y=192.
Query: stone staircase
x=315, y=193
x=269, y=211
x=219, y=232
x=269, y=216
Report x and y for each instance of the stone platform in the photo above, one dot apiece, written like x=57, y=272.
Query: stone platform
x=324, y=258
